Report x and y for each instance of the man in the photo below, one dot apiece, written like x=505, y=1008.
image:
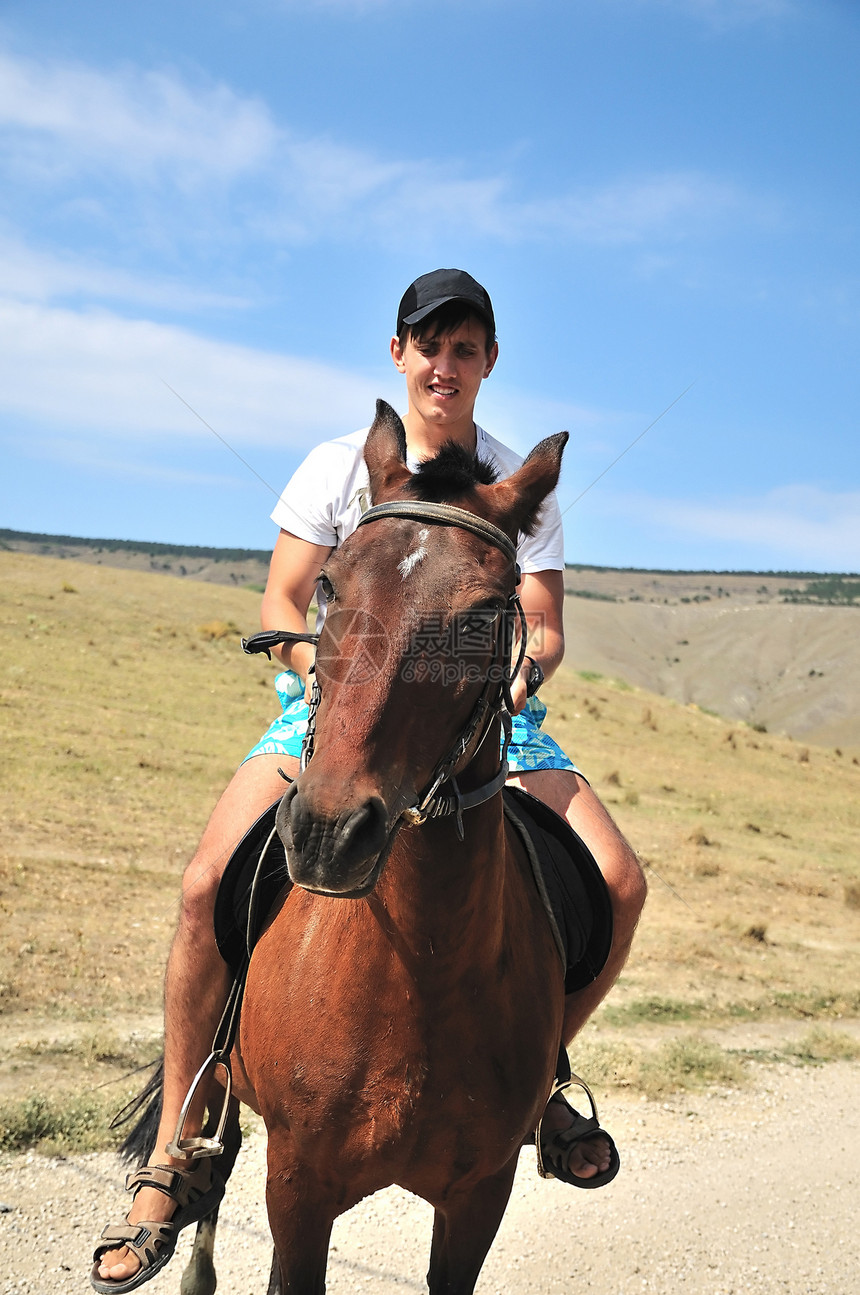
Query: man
x=445, y=346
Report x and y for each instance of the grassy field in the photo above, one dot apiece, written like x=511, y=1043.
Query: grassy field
x=126, y=702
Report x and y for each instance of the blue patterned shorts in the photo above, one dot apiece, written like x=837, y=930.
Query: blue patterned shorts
x=530, y=748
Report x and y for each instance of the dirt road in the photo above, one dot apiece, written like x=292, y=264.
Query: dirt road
x=723, y=1193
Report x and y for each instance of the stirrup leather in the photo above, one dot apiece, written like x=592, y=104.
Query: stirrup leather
x=182, y=1148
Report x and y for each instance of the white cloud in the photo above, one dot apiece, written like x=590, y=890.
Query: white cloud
x=147, y=148
x=93, y=378
x=804, y=525
x=329, y=188
x=670, y=204
x=31, y=275
x=59, y=116
x=100, y=372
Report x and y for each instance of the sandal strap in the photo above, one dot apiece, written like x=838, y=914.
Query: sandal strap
x=581, y=1128
x=146, y=1240
x=178, y=1184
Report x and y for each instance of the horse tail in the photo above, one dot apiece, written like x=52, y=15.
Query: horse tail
x=139, y=1143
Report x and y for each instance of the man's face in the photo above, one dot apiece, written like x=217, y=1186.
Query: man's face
x=444, y=373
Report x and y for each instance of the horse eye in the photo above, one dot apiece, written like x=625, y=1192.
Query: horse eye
x=327, y=588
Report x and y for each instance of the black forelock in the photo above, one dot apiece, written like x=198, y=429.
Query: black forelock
x=454, y=471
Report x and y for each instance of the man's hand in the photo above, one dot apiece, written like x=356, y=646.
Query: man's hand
x=519, y=685
x=309, y=683
x=542, y=598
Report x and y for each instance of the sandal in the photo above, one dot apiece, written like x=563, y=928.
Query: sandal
x=553, y=1149
x=196, y=1192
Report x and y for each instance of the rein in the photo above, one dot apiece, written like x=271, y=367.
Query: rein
x=495, y=699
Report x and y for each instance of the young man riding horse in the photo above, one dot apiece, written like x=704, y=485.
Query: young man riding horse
x=445, y=347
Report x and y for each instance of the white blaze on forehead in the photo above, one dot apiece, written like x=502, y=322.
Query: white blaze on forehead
x=410, y=562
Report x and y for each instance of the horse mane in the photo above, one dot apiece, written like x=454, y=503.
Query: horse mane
x=453, y=472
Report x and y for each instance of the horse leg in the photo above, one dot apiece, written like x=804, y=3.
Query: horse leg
x=301, y=1217
x=199, y=1275
x=301, y=1251
x=463, y=1231
x=275, y=1287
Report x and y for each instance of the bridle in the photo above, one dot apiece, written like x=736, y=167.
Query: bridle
x=495, y=700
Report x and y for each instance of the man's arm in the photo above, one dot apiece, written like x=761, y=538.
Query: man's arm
x=542, y=597
x=290, y=587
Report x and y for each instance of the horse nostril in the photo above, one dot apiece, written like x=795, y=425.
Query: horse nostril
x=282, y=817
x=334, y=853
x=363, y=834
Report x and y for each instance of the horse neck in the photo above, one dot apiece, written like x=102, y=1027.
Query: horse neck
x=448, y=891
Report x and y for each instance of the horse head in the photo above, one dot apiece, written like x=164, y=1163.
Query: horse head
x=413, y=644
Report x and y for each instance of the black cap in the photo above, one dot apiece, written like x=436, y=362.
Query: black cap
x=438, y=287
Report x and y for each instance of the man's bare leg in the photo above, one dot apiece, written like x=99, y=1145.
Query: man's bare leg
x=197, y=981
x=572, y=798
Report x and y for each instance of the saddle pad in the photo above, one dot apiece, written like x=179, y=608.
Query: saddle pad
x=233, y=903
x=570, y=884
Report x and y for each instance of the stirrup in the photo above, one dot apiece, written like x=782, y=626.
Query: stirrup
x=561, y=1086
x=196, y=1148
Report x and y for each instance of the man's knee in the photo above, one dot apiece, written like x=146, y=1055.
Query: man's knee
x=200, y=883
x=634, y=887
x=626, y=883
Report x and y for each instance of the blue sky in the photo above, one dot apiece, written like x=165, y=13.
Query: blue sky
x=230, y=200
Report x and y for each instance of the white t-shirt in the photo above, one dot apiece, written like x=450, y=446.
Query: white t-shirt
x=330, y=490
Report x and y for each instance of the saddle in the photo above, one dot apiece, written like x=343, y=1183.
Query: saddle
x=569, y=882
x=567, y=877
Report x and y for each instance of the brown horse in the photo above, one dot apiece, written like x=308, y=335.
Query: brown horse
x=403, y=1009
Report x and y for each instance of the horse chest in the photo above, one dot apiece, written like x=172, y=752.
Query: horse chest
x=397, y=1043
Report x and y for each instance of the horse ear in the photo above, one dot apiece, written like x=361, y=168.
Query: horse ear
x=385, y=453
x=517, y=499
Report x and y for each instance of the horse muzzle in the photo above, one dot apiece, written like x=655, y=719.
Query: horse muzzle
x=333, y=854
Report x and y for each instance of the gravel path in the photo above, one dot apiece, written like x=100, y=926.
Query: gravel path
x=719, y=1194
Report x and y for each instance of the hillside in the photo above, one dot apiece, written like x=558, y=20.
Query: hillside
x=775, y=649
x=237, y=567
x=126, y=703
x=790, y=668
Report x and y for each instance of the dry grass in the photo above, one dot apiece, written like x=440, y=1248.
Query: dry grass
x=750, y=854
x=823, y=1044
x=673, y=1065
x=59, y=1124
x=126, y=703
x=121, y=723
